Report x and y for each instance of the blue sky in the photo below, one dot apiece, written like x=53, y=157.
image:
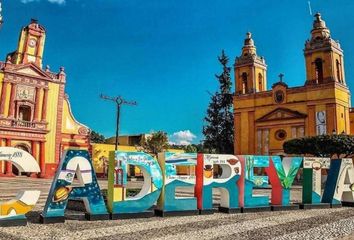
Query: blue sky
x=163, y=53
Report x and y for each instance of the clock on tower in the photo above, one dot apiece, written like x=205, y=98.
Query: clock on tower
x=30, y=47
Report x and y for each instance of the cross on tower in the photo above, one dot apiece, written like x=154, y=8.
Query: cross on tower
x=281, y=77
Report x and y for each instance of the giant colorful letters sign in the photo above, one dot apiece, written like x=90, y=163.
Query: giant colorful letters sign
x=168, y=202
x=282, y=173
x=118, y=203
x=74, y=162
x=339, y=186
x=15, y=210
x=312, y=174
x=227, y=181
x=235, y=178
x=252, y=181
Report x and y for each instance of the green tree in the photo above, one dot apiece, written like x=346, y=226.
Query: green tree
x=219, y=129
x=176, y=146
x=191, y=148
x=201, y=148
x=157, y=142
x=341, y=145
x=95, y=137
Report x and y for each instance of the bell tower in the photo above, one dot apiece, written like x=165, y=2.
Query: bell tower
x=30, y=46
x=250, y=69
x=323, y=56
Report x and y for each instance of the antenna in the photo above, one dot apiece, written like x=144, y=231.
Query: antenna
x=310, y=9
x=0, y=14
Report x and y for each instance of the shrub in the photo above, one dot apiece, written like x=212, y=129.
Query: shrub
x=341, y=145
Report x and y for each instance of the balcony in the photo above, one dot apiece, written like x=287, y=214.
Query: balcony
x=20, y=124
x=30, y=125
x=24, y=124
x=351, y=110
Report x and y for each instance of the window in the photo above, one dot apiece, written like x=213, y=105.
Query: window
x=23, y=147
x=263, y=141
x=279, y=96
x=244, y=83
x=319, y=70
x=297, y=132
x=24, y=113
x=280, y=134
x=260, y=82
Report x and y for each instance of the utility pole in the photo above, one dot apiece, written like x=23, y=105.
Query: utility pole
x=119, y=102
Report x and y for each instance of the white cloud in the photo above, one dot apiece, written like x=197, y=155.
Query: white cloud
x=27, y=1
x=60, y=2
x=57, y=1
x=185, y=137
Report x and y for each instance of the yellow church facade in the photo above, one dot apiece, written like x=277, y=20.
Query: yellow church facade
x=35, y=113
x=264, y=119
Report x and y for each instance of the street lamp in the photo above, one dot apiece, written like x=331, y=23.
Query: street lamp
x=119, y=102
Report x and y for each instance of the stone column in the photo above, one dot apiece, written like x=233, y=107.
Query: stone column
x=42, y=159
x=36, y=109
x=12, y=101
x=34, y=149
x=3, y=98
x=34, y=154
x=9, y=164
x=44, y=106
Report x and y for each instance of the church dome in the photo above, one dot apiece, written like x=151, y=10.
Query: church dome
x=249, y=41
x=319, y=23
x=320, y=31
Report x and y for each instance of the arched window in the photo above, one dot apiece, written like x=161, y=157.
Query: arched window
x=23, y=147
x=338, y=71
x=244, y=83
x=24, y=113
x=319, y=70
x=260, y=82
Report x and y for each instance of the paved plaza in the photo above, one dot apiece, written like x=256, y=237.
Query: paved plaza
x=336, y=223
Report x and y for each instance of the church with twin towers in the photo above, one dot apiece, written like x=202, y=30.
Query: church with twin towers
x=266, y=116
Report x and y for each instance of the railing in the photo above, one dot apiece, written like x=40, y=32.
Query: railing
x=20, y=124
x=24, y=124
x=351, y=110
